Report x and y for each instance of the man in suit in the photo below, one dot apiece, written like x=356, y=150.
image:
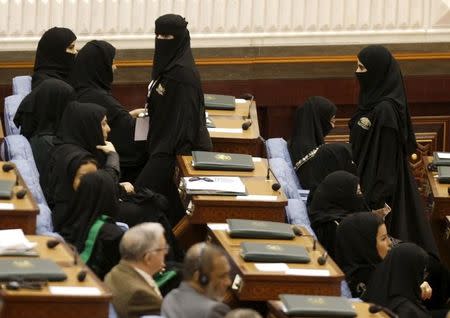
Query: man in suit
x=135, y=293
x=206, y=274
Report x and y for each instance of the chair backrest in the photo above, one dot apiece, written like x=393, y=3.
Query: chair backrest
x=16, y=147
x=285, y=176
x=296, y=213
x=11, y=104
x=28, y=171
x=21, y=85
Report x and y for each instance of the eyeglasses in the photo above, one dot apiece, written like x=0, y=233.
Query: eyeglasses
x=201, y=178
x=160, y=249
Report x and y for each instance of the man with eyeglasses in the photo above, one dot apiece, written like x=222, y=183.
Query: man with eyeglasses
x=135, y=293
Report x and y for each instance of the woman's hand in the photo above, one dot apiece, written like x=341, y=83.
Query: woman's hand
x=427, y=291
x=107, y=147
x=383, y=211
x=135, y=112
x=129, y=188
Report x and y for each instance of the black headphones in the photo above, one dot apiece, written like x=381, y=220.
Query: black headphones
x=203, y=278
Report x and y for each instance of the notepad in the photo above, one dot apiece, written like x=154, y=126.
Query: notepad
x=214, y=185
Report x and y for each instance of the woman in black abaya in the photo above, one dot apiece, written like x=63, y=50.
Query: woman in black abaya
x=335, y=198
x=55, y=55
x=176, y=110
x=313, y=121
x=382, y=139
x=92, y=78
x=39, y=115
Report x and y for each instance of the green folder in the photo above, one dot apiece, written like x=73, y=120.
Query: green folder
x=443, y=174
x=274, y=253
x=207, y=160
x=6, y=189
x=241, y=228
x=317, y=306
x=441, y=158
x=221, y=102
x=30, y=269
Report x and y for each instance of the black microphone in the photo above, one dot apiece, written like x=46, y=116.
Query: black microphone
x=298, y=232
x=21, y=193
x=276, y=185
x=7, y=167
x=373, y=309
x=81, y=275
x=53, y=243
x=323, y=258
x=248, y=121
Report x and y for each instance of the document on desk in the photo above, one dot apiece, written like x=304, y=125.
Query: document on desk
x=307, y=272
x=214, y=185
x=226, y=130
x=271, y=267
x=14, y=242
x=74, y=290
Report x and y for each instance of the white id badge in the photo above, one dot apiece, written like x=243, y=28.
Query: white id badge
x=141, y=128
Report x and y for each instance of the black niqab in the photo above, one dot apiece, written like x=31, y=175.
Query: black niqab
x=356, y=248
x=397, y=280
x=40, y=112
x=93, y=66
x=52, y=60
x=311, y=125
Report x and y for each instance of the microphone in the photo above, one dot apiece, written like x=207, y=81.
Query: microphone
x=248, y=121
x=373, y=309
x=276, y=185
x=21, y=193
x=7, y=167
x=323, y=258
x=298, y=232
x=52, y=243
x=81, y=275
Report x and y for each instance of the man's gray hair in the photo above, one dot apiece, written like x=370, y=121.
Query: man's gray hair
x=140, y=239
x=200, y=256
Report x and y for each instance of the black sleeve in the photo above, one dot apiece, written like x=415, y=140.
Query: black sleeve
x=112, y=165
x=385, y=178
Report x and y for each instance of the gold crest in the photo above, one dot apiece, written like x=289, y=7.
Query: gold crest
x=364, y=123
x=210, y=97
x=223, y=157
x=23, y=264
x=316, y=300
x=160, y=89
x=271, y=247
x=259, y=224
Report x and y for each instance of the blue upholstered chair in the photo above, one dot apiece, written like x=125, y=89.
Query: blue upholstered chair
x=21, y=85
x=11, y=104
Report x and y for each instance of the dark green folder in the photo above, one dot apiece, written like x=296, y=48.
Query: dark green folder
x=30, y=269
x=241, y=228
x=443, y=174
x=274, y=253
x=6, y=189
x=317, y=306
x=440, y=161
x=207, y=160
x=221, y=102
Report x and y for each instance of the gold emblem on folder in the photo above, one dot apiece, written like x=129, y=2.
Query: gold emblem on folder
x=259, y=224
x=316, y=300
x=271, y=247
x=223, y=157
x=210, y=97
x=23, y=264
x=364, y=123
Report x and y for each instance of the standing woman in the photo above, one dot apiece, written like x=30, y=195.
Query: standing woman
x=313, y=121
x=92, y=79
x=176, y=110
x=55, y=55
x=382, y=140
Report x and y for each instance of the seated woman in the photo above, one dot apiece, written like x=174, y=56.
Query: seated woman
x=91, y=226
x=55, y=55
x=327, y=159
x=39, y=115
x=83, y=131
x=335, y=198
x=92, y=78
x=313, y=121
x=361, y=243
x=398, y=283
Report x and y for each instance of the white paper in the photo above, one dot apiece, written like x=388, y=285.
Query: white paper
x=141, y=128
x=240, y=101
x=74, y=290
x=219, y=226
x=271, y=267
x=214, y=184
x=256, y=159
x=6, y=206
x=257, y=197
x=307, y=272
x=443, y=155
x=206, y=114
x=14, y=240
x=226, y=130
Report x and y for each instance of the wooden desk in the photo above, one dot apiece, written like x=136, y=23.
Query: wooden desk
x=362, y=309
x=18, y=213
x=44, y=304
x=440, y=211
x=250, y=284
x=244, y=141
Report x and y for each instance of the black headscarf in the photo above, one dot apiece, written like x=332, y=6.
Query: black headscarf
x=335, y=198
x=328, y=158
x=169, y=53
x=52, y=60
x=398, y=278
x=93, y=66
x=95, y=196
x=383, y=81
x=40, y=111
x=311, y=125
x=81, y=126
x=355, y=250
